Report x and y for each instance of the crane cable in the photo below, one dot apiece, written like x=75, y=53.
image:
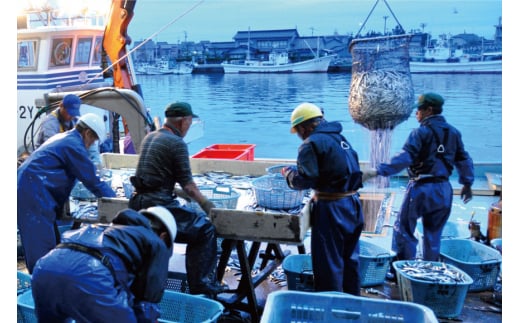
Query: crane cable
x=174, y=20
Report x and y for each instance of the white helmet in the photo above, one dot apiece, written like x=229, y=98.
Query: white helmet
x=96, y=124
x=165, y=216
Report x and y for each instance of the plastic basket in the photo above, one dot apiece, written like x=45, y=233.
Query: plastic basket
x=445, y=299
x=223, y=196
x=374, y=263
x=298, y=271
x=25, y=308
x=479, y=261
x=249, y=148
x=24, y=282
x=497, y=244
x=177, y=282
x=298, y=306
x=272, y=192
x=276, y=169
x=186, y=308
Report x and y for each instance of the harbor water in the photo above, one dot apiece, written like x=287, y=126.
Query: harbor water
x=256, y=109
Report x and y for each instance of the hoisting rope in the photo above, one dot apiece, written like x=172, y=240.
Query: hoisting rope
x=370, y=13
x=145, y=41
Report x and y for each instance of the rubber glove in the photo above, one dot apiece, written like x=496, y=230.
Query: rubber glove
x=368, y=174
x=207, y=205
x=466, y=194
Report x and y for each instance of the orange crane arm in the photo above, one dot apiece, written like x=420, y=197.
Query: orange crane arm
x=115, y=40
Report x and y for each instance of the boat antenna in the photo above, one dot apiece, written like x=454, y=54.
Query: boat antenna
x=370, y=13
x=146, y=40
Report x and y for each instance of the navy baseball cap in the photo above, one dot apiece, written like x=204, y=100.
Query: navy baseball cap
x=71, y=103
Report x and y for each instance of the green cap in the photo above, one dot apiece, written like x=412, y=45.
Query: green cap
x=430, y=98
x=179, y=109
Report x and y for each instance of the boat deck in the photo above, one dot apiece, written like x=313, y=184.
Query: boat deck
x=478, y=306
x=483, y=306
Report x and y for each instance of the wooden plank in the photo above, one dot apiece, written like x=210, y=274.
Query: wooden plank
x=261, y=226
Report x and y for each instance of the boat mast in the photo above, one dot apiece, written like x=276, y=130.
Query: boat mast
x=248, y=41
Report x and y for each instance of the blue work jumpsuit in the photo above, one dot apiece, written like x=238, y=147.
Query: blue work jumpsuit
x=45, y=181
x=329, y=165
x=70, y=283
x=429, y=194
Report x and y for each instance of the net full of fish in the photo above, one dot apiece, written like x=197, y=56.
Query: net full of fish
x=427, y=271
x=381, y=91
x=380, y=99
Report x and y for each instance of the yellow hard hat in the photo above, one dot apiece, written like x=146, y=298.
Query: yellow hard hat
x=303, y=112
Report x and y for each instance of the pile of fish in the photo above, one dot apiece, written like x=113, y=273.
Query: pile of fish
x=380, y=99
x=432, y=272
x=242, y=184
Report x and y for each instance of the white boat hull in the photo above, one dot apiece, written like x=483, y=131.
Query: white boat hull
x=456, y=67
x=316, y=65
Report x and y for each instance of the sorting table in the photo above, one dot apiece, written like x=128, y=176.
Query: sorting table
x=238, y=227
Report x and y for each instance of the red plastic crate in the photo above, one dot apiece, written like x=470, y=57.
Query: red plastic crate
x=222, y=154
x=250, y=148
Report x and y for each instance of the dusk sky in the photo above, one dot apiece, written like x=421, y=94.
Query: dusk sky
x=219, y=20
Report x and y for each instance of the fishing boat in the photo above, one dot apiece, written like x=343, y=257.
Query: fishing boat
x=58, y=55
x=485, y=63
x=441, y=58
x=279, y=63
x=183, y=68
x=55, y=55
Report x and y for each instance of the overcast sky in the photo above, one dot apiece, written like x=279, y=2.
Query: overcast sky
x=219, y=20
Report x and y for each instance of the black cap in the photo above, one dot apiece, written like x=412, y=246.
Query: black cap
x=179, y=109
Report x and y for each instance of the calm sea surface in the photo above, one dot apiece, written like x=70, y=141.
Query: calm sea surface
x=256, y=109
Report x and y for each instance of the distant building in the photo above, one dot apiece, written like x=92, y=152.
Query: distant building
x=257, y=44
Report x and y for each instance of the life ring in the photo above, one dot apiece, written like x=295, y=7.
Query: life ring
x=62, y=53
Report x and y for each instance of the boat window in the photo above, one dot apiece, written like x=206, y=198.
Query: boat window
x=60, y=51
x=83, y=48
x=96, y=59
x=27, y=50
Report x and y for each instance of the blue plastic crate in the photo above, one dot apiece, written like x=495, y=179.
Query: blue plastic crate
x=374, y=263
x=175, y=307
x=186, y=308
x=298, y=306
x=25, y=308
x=479, y=261
x=298, y=271
x=24, y=282
x=445, y=299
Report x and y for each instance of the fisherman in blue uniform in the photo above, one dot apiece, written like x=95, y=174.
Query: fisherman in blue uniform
x=64, y=118
x=60, y=119
x=45, y=181
x=107, y=273
x=430, y=153
x=329, y=165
